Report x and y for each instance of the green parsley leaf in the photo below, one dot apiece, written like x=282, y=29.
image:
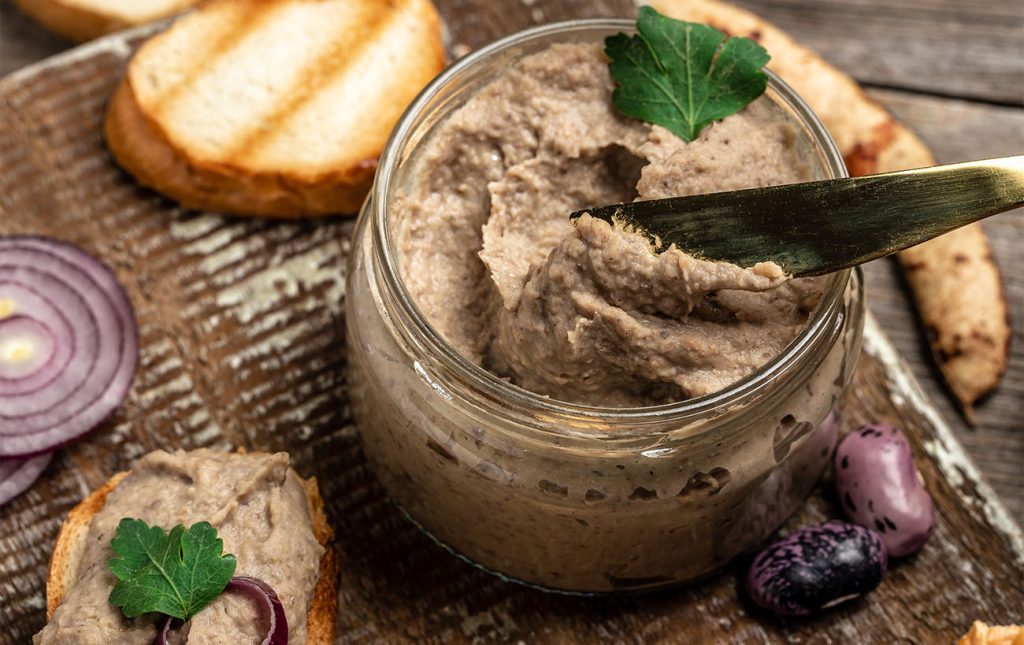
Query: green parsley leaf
x=680, y=76
x=176, y=574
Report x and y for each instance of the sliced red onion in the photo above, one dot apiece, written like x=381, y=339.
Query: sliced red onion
x=261, y=592
x=161, y=636
x=76, y=302
x=16, y=475
x=165, y=630
x=86, y=336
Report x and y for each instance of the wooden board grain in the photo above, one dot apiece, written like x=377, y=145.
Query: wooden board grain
x=241, y=324
x=970, y=49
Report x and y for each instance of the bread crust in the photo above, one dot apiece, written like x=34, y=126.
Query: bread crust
x=144, y=151
x=320, y=620
x=70, y=545
x=143, y=148
x=77, y=23
x=73, y=23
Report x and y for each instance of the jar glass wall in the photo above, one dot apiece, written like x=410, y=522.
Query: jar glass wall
x=575, y=497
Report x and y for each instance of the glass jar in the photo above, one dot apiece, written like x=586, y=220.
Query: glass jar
x=573, y=497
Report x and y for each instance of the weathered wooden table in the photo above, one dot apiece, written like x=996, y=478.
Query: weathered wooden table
x=953, y=72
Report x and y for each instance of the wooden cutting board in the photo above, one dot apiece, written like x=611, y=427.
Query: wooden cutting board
x=242, y=335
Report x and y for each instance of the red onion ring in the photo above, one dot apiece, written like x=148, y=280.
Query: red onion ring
x=277, y=633
x=16, y=474
x=165, y=629
x=88, y=315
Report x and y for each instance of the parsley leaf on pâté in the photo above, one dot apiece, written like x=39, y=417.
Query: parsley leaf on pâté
x=176, y=574
x=680, y=75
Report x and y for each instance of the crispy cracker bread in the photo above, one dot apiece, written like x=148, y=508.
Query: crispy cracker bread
x=82, y=20
x=956, y=284
x=70, y=545
x=201, y=116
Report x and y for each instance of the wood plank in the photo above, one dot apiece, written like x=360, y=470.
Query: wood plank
x=971, y=49
x=241, y=324
x=959, y=130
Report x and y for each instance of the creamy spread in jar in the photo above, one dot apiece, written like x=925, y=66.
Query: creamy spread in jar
x=503, y=360
x=589, y=314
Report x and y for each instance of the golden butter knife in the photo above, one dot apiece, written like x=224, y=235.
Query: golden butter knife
x=823, y=226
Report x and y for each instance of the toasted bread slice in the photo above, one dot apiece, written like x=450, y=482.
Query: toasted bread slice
x=82, y=20
x=70, y=545
x=275, y=108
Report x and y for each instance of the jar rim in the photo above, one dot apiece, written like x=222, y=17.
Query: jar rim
x=495, y=388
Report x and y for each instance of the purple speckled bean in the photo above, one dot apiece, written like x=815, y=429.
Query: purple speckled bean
x=815, y=568
x=879, y=488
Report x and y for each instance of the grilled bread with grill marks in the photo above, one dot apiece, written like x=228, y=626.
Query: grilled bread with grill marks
x=274, y=108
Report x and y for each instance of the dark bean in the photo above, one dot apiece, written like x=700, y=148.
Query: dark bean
x=816, y=568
